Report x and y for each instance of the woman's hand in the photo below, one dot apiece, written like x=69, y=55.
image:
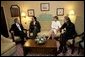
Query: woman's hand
x=58, y=29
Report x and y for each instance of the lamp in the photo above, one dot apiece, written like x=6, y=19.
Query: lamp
x=72, y=16
x=71, y=12
x=23, y=14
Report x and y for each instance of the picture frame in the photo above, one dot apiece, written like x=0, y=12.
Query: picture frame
x=60, y=11
x=31, y=12
x=15, y=11
x=45, y=6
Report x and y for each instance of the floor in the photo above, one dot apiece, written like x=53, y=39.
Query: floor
x=19, y=52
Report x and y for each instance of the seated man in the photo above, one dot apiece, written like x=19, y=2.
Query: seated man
x=17, y=29
x=69, y=33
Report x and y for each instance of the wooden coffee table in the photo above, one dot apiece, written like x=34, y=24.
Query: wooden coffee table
x=31, y=46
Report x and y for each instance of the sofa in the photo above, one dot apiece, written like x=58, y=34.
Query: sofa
x=8, y=47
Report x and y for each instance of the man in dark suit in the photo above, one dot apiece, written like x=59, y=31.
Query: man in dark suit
x=34, y=26
x=69, y=33
x=17, y=29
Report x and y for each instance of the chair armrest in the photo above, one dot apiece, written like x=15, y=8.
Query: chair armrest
x=70, y=41
x=78, y=39
x=26, y=32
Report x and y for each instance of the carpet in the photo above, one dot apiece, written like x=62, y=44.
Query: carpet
x=19, y=52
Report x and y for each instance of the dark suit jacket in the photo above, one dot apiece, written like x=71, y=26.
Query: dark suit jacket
x=70, y=30
x=16, y=30
x=37, y=25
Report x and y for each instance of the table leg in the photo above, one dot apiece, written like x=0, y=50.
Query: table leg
x=25, y=51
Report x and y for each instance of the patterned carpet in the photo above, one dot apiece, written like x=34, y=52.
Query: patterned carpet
x=19, y=52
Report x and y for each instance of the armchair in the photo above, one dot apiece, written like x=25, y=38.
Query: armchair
x=17, y=38
x=77, y=42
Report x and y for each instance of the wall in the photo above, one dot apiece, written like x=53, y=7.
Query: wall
x=77, y=6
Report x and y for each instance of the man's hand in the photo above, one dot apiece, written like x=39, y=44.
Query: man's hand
x=63, y=31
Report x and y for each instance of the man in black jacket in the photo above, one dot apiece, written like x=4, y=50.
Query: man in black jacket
x=68, y=34
x=17, y=29
x=34, y=26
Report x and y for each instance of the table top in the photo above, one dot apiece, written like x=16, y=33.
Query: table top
x=50, y=43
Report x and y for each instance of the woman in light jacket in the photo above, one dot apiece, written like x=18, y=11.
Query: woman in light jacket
x=55, y=25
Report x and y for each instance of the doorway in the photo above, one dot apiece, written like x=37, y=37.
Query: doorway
x=3, y=26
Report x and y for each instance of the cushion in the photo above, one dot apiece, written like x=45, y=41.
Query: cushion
x=46, y=33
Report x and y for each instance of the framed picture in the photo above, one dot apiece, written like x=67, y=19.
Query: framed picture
x=44, y=6
x=60, y=11
x=15, y=11
x=31, y=12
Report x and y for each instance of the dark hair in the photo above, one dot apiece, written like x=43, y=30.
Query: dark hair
x=68, y=19
x=56, y=17
x=34, y=18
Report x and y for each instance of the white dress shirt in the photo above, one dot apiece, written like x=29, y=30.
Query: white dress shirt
x=34, y=22
x=55, y=25
x=18, y=26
